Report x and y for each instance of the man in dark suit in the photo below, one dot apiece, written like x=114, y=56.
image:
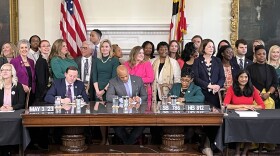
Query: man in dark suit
x=117, y=86
x=240, y=61
x=132, y=86
x=67, y=88
x=85, y=64
x=95, y=37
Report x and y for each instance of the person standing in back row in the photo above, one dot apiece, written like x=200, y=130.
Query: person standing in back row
x=240, y=62
x=95, y=37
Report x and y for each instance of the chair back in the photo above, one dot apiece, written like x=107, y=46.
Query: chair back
x=221, y=93
x=161, y=86
x=27, y=99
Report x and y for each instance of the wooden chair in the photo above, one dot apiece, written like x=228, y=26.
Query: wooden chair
x=27, y=99
x=221, y=93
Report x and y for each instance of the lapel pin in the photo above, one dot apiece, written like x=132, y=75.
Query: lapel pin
x=13, y=92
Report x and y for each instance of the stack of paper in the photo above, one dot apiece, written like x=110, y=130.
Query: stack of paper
x=247, y=113
x=6, y=111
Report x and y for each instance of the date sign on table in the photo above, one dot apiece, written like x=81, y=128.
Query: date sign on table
x=41, y=108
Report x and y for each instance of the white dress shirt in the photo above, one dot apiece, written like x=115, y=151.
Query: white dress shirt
x=34, y=55
x=238, y=60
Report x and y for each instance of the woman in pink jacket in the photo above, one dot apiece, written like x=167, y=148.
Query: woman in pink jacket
x=138, y=67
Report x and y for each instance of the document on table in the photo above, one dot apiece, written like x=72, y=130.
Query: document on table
x=247, y=113
x=7, y=111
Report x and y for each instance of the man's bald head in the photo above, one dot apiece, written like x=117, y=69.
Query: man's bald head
x=123, y=73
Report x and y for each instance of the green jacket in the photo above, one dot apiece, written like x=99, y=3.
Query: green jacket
x=193, y=93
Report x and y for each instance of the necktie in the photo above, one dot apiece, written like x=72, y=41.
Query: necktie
x=241, y=63
x=85, y=70
x=95, y=52
x=127, y=89
x=69, y=93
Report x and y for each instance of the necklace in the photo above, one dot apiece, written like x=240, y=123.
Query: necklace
x=105, y=60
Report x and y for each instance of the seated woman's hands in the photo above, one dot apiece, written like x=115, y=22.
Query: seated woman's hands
x=6, y=108
x=180, y=99
x=246, y=107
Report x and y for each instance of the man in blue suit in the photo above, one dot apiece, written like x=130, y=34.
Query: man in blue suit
x=67, y=88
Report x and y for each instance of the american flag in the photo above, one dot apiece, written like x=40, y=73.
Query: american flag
x=178, y=25
x=72, y=25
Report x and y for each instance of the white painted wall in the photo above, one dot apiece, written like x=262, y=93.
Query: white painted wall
x=210, y=19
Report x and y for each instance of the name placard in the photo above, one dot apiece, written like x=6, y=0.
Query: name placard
x=197, y=107
x=172, y=107
x=41, y=108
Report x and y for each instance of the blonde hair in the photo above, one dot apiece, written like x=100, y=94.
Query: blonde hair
x=14, y=76
x=111, y=54
x=56, y=50
x=133, y=53
x=13, y=49
x=272, y=48
x=261, y=42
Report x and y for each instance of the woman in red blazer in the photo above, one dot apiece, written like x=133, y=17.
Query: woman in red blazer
x=240, y=96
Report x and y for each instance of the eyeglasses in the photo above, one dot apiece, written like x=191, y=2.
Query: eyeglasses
x=84, y=48
x=186, y=81
x=6, y=70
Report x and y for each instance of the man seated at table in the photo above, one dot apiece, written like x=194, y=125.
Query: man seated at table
x=187, y=91
x=68, y=88
x=132, y=86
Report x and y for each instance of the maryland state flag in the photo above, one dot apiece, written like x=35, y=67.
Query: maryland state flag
x=178, y=25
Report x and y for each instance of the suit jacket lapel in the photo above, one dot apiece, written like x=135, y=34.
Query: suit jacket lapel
x=13, y=93
x=201, y=61
x=75, y=89
x=63, y=88
x=79, y=62
x=134, y=87
x=246, y=63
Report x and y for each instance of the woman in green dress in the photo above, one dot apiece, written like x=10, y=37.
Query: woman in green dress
x=60, y=59
x=104, y=69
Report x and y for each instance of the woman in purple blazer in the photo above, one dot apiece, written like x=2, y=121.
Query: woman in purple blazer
x=25, y=68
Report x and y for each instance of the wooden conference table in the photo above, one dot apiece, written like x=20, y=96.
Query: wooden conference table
x=103, y=114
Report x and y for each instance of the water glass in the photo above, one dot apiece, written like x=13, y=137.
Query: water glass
x=173, y=99
x=115, y=101
x=164, y=100
x=125, y=101
x=57, y=101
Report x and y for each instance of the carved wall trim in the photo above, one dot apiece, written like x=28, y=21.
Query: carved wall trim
x=129, y=35
x=234, y=21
